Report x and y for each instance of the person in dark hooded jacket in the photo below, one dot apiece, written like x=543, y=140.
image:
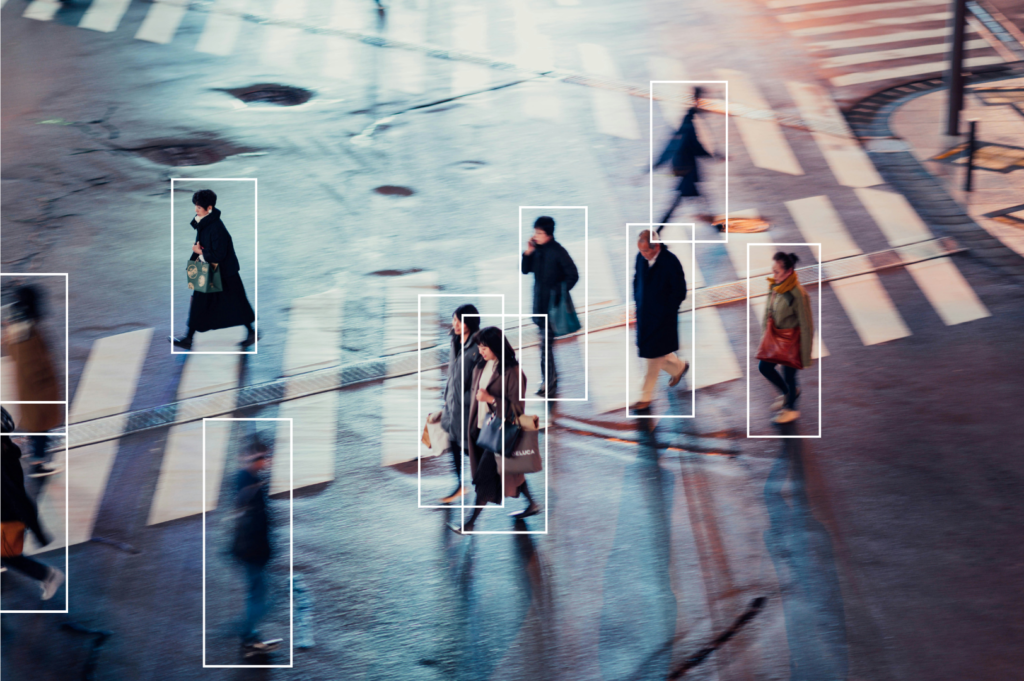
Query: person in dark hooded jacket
x=18, y=513
x=229, y=307
x=458, y=391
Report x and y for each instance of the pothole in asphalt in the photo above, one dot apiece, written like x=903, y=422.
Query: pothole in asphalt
x=271, y=93
x=190, y=152
x=393, y=190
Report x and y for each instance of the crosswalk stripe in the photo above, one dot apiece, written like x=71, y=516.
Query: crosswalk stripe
x=948, y=291
x=666, y=68
x=42, y=10
x=602, y=280
x=764, y=140
x=819, y=222
x=314, y=333
x=403, y=313
x=86, y=481
x=779, y=4
x=533, y=50
x=869, y=307
x=685, y=253
x=844, y=155
x=501, y=275
x=162, y=21
x=221, y=30
x=857, y=9
x=901, y=36
x=912, y=70
x=757, y=306
x=339, y=58
x=400, y=428
x=896, y=53
x=609, y=351
x=713, y=360
x=613, y=111
x=104, y=15
x=281, y=42
x=894, y=215
x=469, y=31
x=870, y=24
x=110, y=377
x=406, y=69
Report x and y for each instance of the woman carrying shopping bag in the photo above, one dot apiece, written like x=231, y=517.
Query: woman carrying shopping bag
x=787, y=335
x=499, y=371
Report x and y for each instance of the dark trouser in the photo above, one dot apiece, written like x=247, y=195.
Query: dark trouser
x=548, y=371
x=785, y=383
x=29, y=566
x=524, y=488
x=39, y=443
x=190, y=332
x=675, y=204
x=256, y=601
x=457, y=462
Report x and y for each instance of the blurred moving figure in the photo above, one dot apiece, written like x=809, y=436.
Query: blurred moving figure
x=498, y=371
x=659, y=288
x=682, y=151
x=226, y=308
x=18, y=513
x=787, y=334
x=36, y=380
x=458, y=391
x=251, y=546
x=554, y=275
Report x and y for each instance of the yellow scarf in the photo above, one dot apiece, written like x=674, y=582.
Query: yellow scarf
x=788, y=284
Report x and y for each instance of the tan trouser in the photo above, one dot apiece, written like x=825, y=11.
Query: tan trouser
x=668, y=363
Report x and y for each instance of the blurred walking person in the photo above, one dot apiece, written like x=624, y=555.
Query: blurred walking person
x=230, y=306
x=787, y=335
x=498, y=371
x=659, y=288
x=554, y=275
x=18, y=513
x=682, y=152
x=251, y=546
x=35, y=377
x=458, y=391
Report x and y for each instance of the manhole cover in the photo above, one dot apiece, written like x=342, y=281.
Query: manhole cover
x=392, y=190
x=271, y=93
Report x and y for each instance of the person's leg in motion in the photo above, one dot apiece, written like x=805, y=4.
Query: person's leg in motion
x=457, y=464
x=532, y=508
x=769, y=371
x=675, y=367
x=650, y=381
x=256, y=601
x=792, y=390
x=671, y=209
x=49, y=578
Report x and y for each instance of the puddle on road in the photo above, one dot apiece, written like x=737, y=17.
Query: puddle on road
x=200, y=151
x=270, y=93
x=393, y=190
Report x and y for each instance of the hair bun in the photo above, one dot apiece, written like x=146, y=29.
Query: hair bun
x=794, y=257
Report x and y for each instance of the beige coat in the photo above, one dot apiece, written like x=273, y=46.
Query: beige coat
x=36, y=381
x=477, y=456
x=789, y=310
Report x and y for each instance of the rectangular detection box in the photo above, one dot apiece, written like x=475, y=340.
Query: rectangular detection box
x=220, y=550
x=239, y=205
x=633, y=230
x=816, y=248
x=574, y=247
x=671, y=108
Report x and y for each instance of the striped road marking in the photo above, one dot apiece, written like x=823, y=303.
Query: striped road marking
x=713, y=360
x=869, y=307
x=613, y=111
x=764, y=140
x=42, y=10
x=110, y=376
x=871, y=23
x=281, y=42
x=912, y=70
x=820, y=223
x=404, y=310
x=857, y=9
x=901, y=36
x=469, y=33
x=104, y=15
x=162, y=21
x=896, y=53
x=222, y=27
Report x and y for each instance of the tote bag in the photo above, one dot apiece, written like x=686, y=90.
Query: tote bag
x=525, y=456
x=562, y=319
x=203, y=277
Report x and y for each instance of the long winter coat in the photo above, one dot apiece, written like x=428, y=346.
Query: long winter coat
x=252, y=531
x=683, y=150
x=35, y=379
x=15, y=503
x=229, y=307
x=789, y=310
x=551, y=265
x=483, y=463
x=658, y=292
x=458, y=391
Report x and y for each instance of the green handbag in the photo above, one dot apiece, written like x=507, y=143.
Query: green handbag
x=200, y=277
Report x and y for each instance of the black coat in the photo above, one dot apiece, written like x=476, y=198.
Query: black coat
x=551, y=265
x=213, y=236
x=229, y=307
x=15, y=503
x=252, y=531
x=683, y=150
x=458, y=391
x=658, y=292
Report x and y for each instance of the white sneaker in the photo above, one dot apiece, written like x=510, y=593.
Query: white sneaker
x=786, y=416
x=52, y=582
x=261, y=647
x=780, y=401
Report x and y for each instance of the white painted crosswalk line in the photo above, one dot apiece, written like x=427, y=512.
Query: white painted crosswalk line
x=501, y=275
x=87, y=473
x=896, y=53
x=533, y=50
x=406, y=69
x=894, y=215
x=609, y=351
x=871, y=24
x=314, y=333
x=340, y=53
x=469, y=34
x=281, y=43
x=603, y=284
x=613, y=111
x=401, y=429
x=666, y=68
x=948, y=291
x=104, y=15
x=223, y=25
x=911, y=70
x=685, y=252
x=111, y=374
x=403, y=330
x=779, y=4
x=42, y=10
x=857, y=9
x=819, y=223
x=900, y=36
x=712, y=359
x=162, y=21
x=869, y=307
x=763, y=140
x=757, y=306
x=844, y=155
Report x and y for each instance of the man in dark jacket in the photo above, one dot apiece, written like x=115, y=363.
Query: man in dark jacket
x=682, y=151
x=551, y=266
x=251, y=544
x=226, y=308
x=659, y=288
x=458, y=391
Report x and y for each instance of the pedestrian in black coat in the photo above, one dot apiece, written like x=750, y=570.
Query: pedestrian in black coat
x=682, y=151
x=551, y=266
x=659, y=288
x=227, y=308
x=458, y=391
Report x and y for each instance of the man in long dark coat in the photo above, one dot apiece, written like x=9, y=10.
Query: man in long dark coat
x=683, y=151
x=659, y=288
x=229, y=307
x=551, y=266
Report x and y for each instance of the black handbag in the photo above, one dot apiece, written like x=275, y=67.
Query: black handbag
x=491, y=438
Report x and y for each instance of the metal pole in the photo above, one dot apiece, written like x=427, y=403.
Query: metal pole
x=956, y=68
x=970, y=154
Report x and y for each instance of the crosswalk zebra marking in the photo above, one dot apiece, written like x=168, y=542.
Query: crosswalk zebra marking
x=764, y=140
x=406, y=69
x=819, y=223
x=281, y=42
x=314, y=333
x=901, y=36
x=911, y=70
x=857, y=9
x=871, y=24
x=533, y=49
x=613, y=111
x=222, y=28
x=162, y=21
x=895, y=217
x=104, y=15
x=469, y=31
x=666, y=68
x=111, y=375
x=736, y=247
x=844, y=155
x=400, y=428
x=610, y=349
x=404, y=310
x=713, y=360
x=896, y=53
x=42, y=10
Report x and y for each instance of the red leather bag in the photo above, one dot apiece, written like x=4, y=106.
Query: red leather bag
x=780, y=346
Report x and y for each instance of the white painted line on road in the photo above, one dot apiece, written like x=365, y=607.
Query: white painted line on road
x=469, y=34
x=613, y=111
x=948, y=291
x=712, y=361
x=402, y=305
x=281, y=43
x=779, y=4
x=42, y=10
x=222, y=27
x=896, y=53
x=894, y=215
x=820, y=223
x=869, y=307
x=533, y=49
x=406, y=69
x=399, y=437
x=314, y=333
x=104, y=15
x=844, y=155
x=679, y=234
x=857, y=9
x=501, y=276
x=672, y=110
x=91, y=466
x=898, y=37
x=764, y=140
x=315, y=441
x=111, y=375
x=912, y=70
x=608, y=370
x=603, y=289
x=162, y=21
x=339, y=58
x=868, y=24
x=204, y=374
